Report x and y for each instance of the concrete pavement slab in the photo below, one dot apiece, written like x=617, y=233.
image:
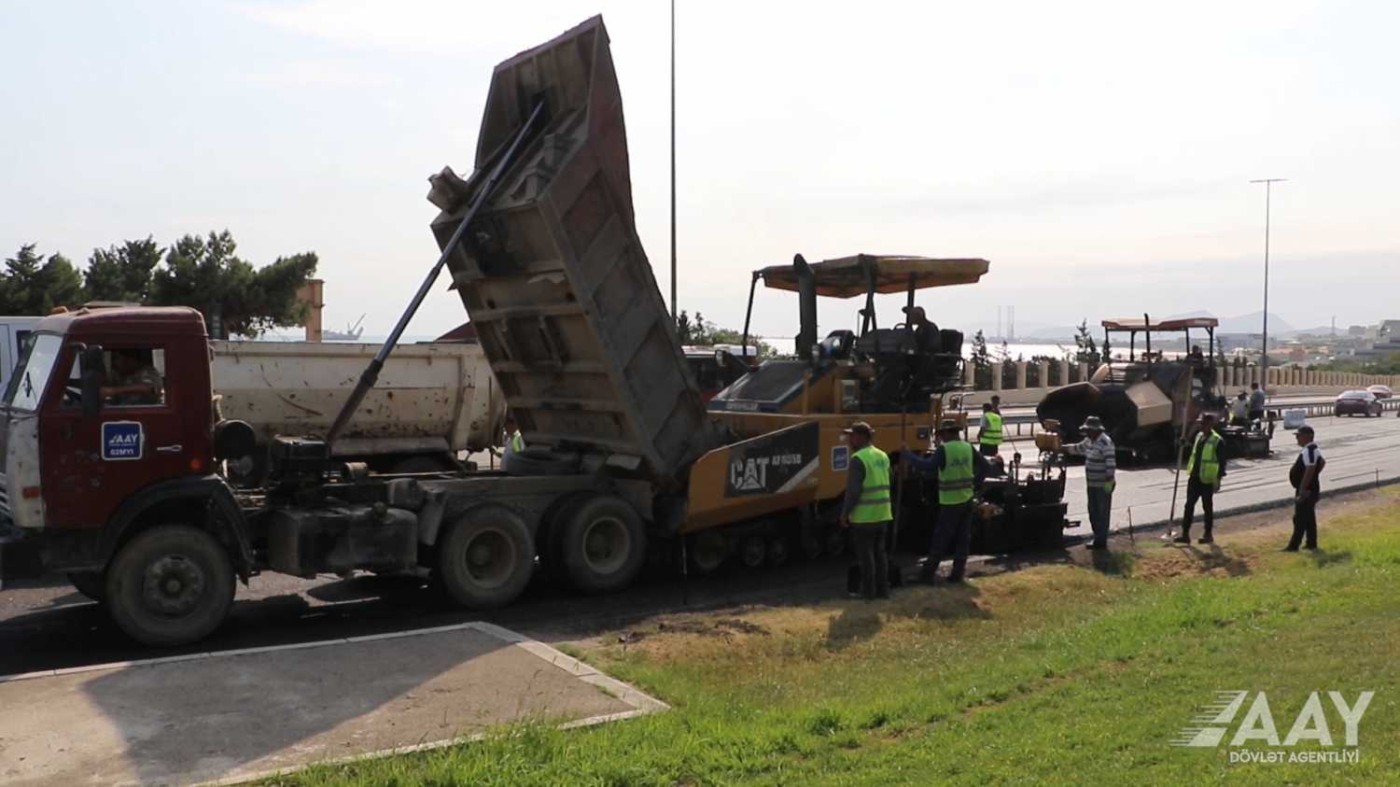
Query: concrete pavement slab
x=226, y=717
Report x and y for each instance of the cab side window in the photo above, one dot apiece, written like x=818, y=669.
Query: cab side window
x=135, y=377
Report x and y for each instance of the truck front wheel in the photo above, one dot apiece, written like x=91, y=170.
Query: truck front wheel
x=603, y=545
x=485, y=559
x=170, y=585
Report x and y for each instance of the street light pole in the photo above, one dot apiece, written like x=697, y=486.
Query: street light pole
x=674, y=314
x=1264, y=361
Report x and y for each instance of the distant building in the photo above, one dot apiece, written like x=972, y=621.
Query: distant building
x=1387, y=341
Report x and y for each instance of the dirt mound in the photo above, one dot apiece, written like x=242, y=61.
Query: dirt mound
x=1190, y=561
x=694, y=626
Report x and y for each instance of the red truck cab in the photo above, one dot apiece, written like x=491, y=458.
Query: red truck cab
x=68, y=463
x=107, y=430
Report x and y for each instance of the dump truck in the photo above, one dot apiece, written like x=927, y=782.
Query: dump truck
x=129, y=496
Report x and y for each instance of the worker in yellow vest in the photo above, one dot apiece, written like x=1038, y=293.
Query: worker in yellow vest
x=515, y=442
x=960, y=471
x=1204, y=470
x=867, y=510
x=989, y=431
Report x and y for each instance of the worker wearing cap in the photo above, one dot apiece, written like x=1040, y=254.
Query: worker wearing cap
x=867, y=510
x=960, y=471
x=1303, y=476
x=989, y=431
x=925, y=332
x=1100, y=475
x=1204, y=470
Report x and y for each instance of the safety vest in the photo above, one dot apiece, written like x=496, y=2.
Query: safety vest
x=516, y=443
x=873, y=506
x=990, y=433
x=1210, y=459
x=955, y=478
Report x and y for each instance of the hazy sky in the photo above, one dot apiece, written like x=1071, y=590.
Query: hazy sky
x=1097, y=153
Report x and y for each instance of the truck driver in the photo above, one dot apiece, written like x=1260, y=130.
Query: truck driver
x=134, y=380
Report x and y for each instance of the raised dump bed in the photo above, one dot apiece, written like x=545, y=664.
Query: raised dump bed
x=554, y=276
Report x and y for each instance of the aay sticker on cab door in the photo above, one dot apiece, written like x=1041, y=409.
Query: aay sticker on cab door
x=122, y=440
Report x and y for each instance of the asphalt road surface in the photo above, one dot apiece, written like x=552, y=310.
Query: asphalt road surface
x=47, y=625
x=1358, y=451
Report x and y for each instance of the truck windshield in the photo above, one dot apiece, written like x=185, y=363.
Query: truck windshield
x=27, y=386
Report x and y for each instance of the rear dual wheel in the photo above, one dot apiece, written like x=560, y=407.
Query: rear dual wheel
x=485, y=559
x=602, y=544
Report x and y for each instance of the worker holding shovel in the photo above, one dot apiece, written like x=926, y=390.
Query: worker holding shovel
x=1204, y=471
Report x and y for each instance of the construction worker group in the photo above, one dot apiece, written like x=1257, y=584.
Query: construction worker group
x=959, y=470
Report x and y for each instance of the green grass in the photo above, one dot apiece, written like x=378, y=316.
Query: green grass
x=1060, y=673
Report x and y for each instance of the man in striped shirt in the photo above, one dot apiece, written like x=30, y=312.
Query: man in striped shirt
x=1100, y=473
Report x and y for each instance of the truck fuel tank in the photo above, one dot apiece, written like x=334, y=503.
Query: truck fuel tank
x=308, y=541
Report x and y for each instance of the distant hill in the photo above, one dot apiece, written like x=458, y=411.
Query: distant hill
x=1244, y=323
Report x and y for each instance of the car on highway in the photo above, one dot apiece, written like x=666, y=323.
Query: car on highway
x=1381, y=391
x=1356, y=403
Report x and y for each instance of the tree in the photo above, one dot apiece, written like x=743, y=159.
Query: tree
x=701, y=333
x=235, y=298
x=122, y=273
x=981, y=362
x=35, y=286
x=1088, y=350
x=685, y=331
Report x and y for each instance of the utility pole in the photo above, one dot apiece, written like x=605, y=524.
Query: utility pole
x=1264, y=361
x=674, y=313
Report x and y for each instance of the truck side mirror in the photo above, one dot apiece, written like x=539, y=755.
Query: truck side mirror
x=92, y=379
